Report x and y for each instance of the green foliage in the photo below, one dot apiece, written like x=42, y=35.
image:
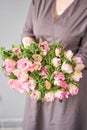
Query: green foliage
x=12, y=76
x=4, y=54
x=46, y=62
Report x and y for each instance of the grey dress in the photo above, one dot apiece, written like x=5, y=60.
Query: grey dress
x=70, y=28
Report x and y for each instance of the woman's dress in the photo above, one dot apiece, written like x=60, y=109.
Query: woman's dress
x=70, y=28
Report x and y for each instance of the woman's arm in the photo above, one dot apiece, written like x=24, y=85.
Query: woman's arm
x=27, y=34
x=83, y=49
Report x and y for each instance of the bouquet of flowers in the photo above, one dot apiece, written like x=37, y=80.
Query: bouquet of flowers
x=41, y=70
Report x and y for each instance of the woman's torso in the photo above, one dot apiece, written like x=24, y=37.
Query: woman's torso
x=68, y=28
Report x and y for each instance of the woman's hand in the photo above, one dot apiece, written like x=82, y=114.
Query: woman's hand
x=27, y=41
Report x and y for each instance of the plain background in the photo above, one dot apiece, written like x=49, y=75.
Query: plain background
x=12, y=19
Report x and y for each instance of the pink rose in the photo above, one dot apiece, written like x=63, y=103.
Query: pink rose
x=17, y=51
x=48, y=84
x=77, y=75
x=36, y=66
x=73, y=89
x=8, y=70
x=44, y=46
x=61, y=94
x=24, y=65
x=32, y=84
x=17, y=73
x=49, y=97
x=28, y=84
x=56, y=62
x=61, y=83
x=78, y=59
x=24, y=85
x=35, y=94
x=9, y=66
x=37, y=57
x=9, y=63
x=44, y=72
x=27, y=41
x=23, y=77
x=79, y=67
x=15, y=84
x=67, y=68
x=68, y=54
x=58, y=51
x=59, y=76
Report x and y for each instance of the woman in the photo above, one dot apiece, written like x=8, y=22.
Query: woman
x=63, y=21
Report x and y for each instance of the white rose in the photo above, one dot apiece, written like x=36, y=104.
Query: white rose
x=77, y=75
x=68, y=54
x=56, y=61
x=58, y=51
x=73, y=89
x=67, y=67
x=79, y=67
x=27, y=41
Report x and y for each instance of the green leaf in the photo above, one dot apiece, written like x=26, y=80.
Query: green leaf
x=12, y=76
x=41, y=40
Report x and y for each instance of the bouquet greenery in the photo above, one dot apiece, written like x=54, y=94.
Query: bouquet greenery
x=43, y=70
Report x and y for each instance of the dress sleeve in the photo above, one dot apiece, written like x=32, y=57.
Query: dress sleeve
x=28, y=27
x=83, y=49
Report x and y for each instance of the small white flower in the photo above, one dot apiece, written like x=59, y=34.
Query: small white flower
x=73, y=89
x=35, y=94
x=68, y=54
x=77, y=75
x=56, y=61
x=49, y=97
x=79, y=67
x=58, y=51
x=27, y=41
x=67, y=67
